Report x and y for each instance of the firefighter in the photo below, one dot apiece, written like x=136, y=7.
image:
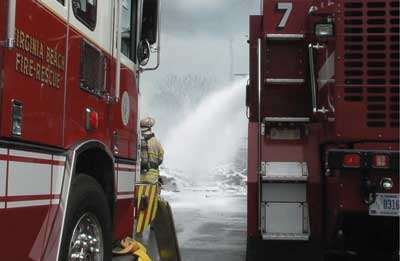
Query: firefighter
x=152, y=153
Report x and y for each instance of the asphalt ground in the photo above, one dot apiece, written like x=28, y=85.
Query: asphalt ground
x=210, y=226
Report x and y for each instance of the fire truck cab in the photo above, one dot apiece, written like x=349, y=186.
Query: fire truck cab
x=69, y=154
x=323, y=144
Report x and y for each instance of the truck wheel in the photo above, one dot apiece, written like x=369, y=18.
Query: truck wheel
x=87, y=231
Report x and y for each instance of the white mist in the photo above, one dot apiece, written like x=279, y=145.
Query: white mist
x=210, y=135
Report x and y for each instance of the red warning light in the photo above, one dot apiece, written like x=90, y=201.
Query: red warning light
x=351, y=160
x=93, y=120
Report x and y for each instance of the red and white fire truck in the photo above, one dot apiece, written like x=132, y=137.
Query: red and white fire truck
x=69, y=124
x=323, y=159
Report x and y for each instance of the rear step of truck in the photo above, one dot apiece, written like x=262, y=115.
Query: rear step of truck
x=284, y=208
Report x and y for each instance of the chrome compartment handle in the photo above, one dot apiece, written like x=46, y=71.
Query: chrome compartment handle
x=311, y=48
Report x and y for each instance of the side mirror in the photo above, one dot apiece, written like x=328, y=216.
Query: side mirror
x=143, y=52
x=76, y=4
x=150, y=21
x=150, y=34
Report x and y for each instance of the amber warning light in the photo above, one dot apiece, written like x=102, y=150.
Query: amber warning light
x=351, y=160
x=381, y=161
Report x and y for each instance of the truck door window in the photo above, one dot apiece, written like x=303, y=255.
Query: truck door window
x=61, y=2
x=86, y=12
x=129, y=18
x=92, y=69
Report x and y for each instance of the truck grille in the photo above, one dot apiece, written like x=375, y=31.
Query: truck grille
x=371, y=60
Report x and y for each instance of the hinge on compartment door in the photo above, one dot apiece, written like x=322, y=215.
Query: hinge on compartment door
x=262, y=128
x=115, y=142
x=108, y=98
x=263, y=168
x=8, y=43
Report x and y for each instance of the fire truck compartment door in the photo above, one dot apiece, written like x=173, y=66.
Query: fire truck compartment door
x=284, y=217
x=284, y=211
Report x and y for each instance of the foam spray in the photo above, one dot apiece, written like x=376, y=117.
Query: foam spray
x=210, y=135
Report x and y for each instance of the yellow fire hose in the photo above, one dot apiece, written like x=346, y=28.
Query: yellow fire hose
x=131, y=246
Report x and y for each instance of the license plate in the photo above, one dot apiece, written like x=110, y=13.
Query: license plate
x=386, y=204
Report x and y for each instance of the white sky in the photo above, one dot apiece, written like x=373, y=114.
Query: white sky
x=196, y=36
x=195, y=39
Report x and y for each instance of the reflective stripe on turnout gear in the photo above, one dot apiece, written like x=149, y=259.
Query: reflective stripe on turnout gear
x=158, y=155
x=151, y=176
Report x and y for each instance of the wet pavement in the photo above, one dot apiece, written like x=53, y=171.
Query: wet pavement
x=210, y=225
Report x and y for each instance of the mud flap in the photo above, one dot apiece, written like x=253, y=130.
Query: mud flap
x=164, y=229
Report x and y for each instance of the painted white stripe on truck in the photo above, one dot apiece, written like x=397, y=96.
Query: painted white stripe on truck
x=3, y=151
x=126, y=181
x=125, y=196
x=3, y=177
x=59, y=158
x=28, y=154
x=2, y=205
x=28, y=203
x=58, y=173
x=126, y=166
x=28, y=178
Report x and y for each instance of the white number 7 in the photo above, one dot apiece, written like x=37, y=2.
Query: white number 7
x=287, y=7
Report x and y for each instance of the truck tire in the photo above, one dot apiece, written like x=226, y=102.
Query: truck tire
x=88, y=229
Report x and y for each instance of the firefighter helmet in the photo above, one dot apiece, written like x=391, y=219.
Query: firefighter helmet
x=147, y=123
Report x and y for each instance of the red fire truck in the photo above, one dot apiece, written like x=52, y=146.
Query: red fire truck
x=323, y=159
x=69, y=124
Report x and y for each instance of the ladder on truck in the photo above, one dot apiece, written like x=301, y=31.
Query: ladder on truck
x=284, y=212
